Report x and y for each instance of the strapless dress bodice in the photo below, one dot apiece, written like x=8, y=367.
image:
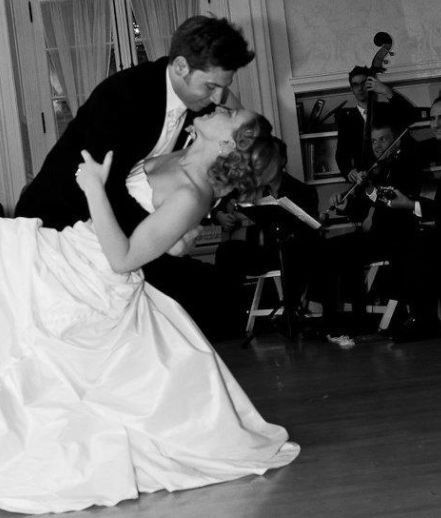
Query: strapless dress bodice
x=139, y=187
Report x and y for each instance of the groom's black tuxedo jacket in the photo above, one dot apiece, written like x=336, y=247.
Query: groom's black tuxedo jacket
x=125, y=113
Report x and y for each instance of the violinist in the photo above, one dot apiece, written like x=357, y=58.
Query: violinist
x=425, y=249
x=383, y=230
x=430, y=204
x=351, y=121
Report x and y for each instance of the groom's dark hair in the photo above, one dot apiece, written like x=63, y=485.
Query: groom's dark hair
x=207, y=42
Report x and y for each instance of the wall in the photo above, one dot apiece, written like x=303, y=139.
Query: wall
x=329, y=37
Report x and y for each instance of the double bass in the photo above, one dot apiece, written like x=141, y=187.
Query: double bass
x=384, y=41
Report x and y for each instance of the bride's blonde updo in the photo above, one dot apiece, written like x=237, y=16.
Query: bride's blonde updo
x=253, y=161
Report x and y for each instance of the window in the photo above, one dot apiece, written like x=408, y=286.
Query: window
x=57, y=68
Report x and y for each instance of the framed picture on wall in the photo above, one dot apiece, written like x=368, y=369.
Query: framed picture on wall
x=319, y=157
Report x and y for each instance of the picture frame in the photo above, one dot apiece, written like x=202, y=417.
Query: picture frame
x=319, y=157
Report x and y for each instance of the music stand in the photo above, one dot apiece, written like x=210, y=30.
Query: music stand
x=281, y=221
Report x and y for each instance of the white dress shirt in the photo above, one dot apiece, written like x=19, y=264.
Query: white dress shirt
x=173, y=122
x=363, y=112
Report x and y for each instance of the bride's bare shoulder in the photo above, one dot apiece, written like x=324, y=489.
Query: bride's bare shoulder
x=151, y=164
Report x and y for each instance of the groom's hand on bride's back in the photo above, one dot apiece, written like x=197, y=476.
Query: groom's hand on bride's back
x=91, y=174
x=186, y=243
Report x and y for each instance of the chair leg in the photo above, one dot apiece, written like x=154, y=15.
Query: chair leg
x=387, y=315
x=254, y=306
x=370, y=277
x=278, y=283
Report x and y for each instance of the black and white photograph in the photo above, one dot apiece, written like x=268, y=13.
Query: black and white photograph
x=220, y=266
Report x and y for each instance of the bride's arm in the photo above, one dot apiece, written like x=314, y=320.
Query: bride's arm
x=152, y=237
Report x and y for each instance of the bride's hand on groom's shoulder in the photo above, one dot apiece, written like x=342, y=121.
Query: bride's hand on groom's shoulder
x=91, y=174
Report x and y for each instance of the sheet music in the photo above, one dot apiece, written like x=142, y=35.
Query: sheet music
x=288, y=205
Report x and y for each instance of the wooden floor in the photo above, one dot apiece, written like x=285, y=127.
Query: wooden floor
x=368, y=421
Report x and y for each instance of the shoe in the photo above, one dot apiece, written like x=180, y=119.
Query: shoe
x=343, y=341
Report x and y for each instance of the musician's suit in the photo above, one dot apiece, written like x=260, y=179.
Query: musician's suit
x=350, y=125
x=430, y=199
x=427, y=246
x=125, y=113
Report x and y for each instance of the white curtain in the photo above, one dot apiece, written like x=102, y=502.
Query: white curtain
x=77, y=36
x=158, y=19
x=12, y=163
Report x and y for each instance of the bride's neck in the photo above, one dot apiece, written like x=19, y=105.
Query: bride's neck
x=198, y=157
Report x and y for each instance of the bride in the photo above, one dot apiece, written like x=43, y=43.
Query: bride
x=107, y=387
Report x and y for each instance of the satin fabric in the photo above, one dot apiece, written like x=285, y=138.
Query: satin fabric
x=107, y=387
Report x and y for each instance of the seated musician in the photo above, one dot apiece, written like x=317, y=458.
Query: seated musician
x=351, y=121
x=431, y=148
x=427, y=206
x=427, y=209
x=252, y=249
x=388, y=231
x=430, y=201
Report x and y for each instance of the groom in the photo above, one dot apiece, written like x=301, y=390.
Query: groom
x=139, y=113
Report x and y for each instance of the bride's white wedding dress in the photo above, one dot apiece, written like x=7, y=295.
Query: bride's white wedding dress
x=107, y=387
